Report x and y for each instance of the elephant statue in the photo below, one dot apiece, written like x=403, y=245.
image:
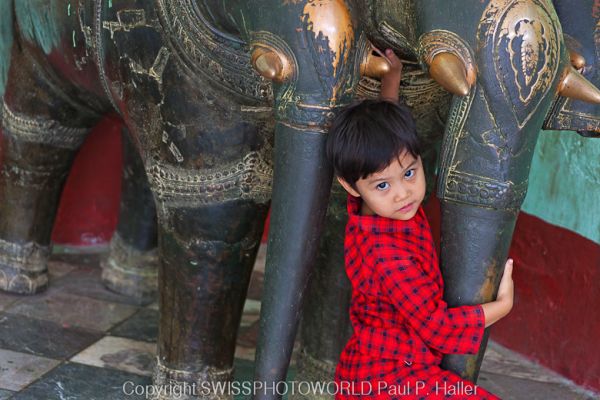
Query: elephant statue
x=227, y=104
x=512, y=71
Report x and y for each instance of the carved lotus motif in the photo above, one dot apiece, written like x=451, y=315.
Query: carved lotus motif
x=526, y=48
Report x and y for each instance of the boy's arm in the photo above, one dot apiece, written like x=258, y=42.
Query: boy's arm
x=390, y=83
x=450, y=330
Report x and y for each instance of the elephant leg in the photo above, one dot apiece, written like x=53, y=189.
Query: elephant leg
x=43, y=128
x=211, y=210
x=481, y=236
x=132, y=264
x=207, y=255
x=325, y=326
x=30, y=185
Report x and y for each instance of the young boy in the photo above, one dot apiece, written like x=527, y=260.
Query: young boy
x=402, y=326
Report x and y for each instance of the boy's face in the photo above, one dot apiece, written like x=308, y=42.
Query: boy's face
x=395, y=192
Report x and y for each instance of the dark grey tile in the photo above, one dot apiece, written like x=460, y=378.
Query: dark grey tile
x=243, y=370
x=43, y=338
x=5, y=394
x=6, y=299
x=58, y=269
x=143, y=325
x=511, y=388
x=70, y=310
x=78, y=381
x=87, y=281
x=77, y=259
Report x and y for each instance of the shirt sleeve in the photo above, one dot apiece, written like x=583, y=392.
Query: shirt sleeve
x=456, y=330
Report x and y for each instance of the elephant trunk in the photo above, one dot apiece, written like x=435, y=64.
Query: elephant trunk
x=313, y=61
x=475, y=242
x=302, y=182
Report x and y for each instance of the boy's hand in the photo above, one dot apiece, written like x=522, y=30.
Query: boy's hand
x=495, y=310
x=395, y=63
x=390, y=83
x=506, y=290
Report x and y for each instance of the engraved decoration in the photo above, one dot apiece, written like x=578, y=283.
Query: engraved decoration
x=205, y=51
x=43, y=131
x=249, y=178
x=569, y=114
x=524, y=37
x=439, y=41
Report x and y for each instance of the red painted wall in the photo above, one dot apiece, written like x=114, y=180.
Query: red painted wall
x=556, y=317
x=89, y=205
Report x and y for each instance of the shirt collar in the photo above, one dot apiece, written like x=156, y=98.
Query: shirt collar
x=377, y=224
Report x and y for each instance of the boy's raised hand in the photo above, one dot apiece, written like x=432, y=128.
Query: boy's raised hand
x=390, y=83
x=395, y=63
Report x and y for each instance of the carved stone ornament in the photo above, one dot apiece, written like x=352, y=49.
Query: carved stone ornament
x=524, y=38
x=218, y=57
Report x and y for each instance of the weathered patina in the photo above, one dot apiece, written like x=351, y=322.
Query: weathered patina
x=218, y=141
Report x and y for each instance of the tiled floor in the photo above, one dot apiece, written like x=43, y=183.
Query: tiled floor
x=79, y=341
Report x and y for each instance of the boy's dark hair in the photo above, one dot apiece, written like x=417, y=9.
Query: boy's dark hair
x=365, y=137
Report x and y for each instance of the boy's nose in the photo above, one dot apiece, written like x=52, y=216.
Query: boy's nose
x=401, y=194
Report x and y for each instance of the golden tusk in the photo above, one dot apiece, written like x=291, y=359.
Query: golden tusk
x=577, y=60
x=450, y=72
x=574, y=86
x=268, y=64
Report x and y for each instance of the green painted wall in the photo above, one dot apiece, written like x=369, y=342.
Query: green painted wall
x=6, y=40
x=564, y=183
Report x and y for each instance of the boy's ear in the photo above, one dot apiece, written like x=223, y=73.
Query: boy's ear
x=348, y=187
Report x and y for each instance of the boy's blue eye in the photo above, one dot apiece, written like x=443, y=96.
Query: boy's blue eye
x=410, y=173
x=383, y=186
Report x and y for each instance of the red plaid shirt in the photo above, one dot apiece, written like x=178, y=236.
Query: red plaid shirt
x=397, y=310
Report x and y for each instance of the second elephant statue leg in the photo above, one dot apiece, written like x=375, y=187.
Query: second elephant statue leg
x=44, y=125
x=131, y=268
